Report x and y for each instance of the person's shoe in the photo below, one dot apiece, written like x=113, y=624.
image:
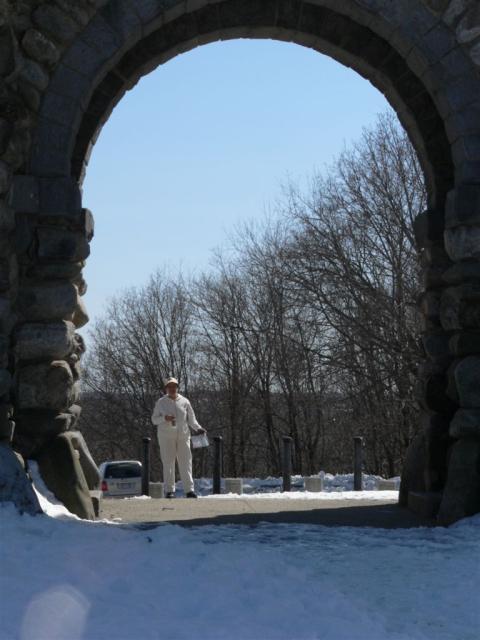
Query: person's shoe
x=191, y=494
x=170, y=494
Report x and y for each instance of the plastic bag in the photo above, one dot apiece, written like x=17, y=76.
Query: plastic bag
x=200, y=441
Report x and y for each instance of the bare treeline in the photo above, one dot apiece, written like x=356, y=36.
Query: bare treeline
x=306, y=326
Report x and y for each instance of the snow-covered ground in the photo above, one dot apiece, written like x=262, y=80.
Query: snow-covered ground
x=62, y=578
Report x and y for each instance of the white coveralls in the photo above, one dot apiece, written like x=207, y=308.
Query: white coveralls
x=174, y=440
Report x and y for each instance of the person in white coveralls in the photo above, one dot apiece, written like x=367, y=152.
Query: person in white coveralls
x=174, y=418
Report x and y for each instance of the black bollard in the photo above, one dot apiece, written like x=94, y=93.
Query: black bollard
x=146, y=467
x=357, y=463
x=287, y=463
x=217, y=464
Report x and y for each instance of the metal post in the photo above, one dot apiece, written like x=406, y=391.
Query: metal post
x=217, y=464
x=357, y=463
x=287, y=463
x=146, y=467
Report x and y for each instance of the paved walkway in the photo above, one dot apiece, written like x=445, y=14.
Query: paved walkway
x=147, y=513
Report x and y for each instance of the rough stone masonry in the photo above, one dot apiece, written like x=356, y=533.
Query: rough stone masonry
x=64, y=64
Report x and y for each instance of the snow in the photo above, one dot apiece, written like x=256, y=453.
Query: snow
x=67, y=579
x=271, y=487
x=311, y=495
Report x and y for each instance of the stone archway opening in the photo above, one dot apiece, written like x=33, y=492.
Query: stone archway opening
x=409, y=54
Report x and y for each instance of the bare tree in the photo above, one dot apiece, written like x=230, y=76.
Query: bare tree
x=307, y=326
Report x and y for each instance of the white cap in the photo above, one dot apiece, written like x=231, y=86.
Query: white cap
x=170, y=381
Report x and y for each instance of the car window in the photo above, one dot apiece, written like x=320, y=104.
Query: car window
x=123, y=470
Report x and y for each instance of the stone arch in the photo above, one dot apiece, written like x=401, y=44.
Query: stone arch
x=415, y=52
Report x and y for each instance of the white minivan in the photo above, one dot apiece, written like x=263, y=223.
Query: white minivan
x=120, y=478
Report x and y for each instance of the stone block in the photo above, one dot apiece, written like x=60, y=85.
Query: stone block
x=462, y=272
x=80, y=317
x=466, y=148
x=439, y=41
x=4, y=345
x=148, y=10
x=457, y=94
x=468, y=28
x=31, y=96
x=36, y=341
x=464, y=123
x=428, y=228
x=454, y=11
x=461, y=496
x=6, y=130
x=55, y=271
x=475, y=54
x=83, y=58
x=437, y=442
x=5, y=177
x=431, y=393
x=460, y=308
x=430, y=304
x=60, y=194
x=5, y=382
x=156, y=490
x=24, y=233
x=234, y=485
x=87, y=224
x=122, y=19
x=464, y=344
x=81, y=285
x=4, y=275
x=79, y=13
x=48, y=156
x=96, y=498
x=45, y=386
x=208, y=22
x=424, y=503
x=39, y=47
x=435, y=255
x=60, y=108
x=7, y=218
x=432, y=277
x=463, y=206
x=54, y=22
x=99, y=33
x=389, y=484
x=44, y=424
x=71, y=84
x=413, y=478
x=467, y=380
x=467, y=171
x=56, y=244
x=89, y=468
x=34, y=428
x=24, y=194
x=56, y=301
x=60, y=468
x=466, y=424
x=34, y=73
x=313, y=483
x=7, y=319
x=7, y=429
x=15, y=486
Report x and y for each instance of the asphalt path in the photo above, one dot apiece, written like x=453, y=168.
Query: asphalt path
x=148, y=513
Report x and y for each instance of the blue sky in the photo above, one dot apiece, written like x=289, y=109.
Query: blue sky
x=205, y=142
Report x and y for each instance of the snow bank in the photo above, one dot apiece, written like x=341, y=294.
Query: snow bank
x=66, y=579
x=338, y=483
x=310, y=495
